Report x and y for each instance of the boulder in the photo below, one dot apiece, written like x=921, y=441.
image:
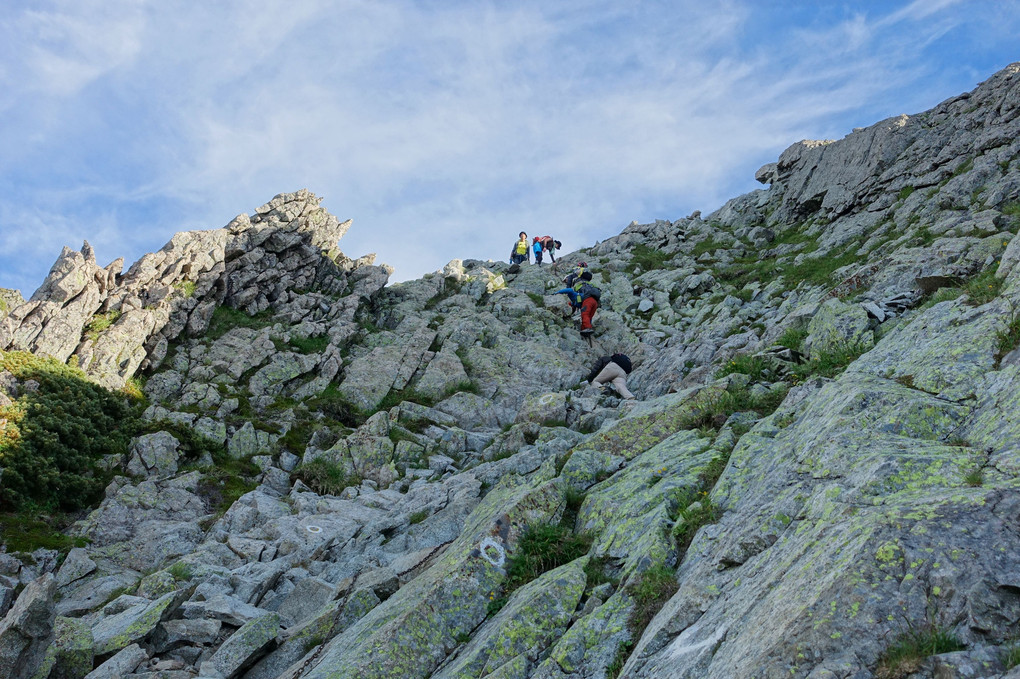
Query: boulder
x=838, y=326
x=154, y=455
x=27, y=629
x=244, y=647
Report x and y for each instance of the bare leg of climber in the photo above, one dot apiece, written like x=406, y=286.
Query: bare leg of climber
x=616, y=375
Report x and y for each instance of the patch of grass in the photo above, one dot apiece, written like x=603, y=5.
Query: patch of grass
x=925, y=237
x=905, y=193
x=965, y=166
x=693, y=508
x=573, y=499
x=398, y=396
x=1011, y=655
x=652, y=589
x=134, y=389
x=1008, y=339
x=620, y=659
x=542, y=547
x=101, y=322
x=819, y=270
x=647, y=259
x=793, y=338
x=451, y=287
x=187, y=288
x=984, y=287
x=595, y=573
x=756, y=367
x=335, y=406
x=297, y=437
x=707, y=245
x=974, y=478
x=225, y=319
x=418, y=517
x=829, y=363
x=465, y=386
x=325, y=477
x=309, y=345
x=181, y=571
x=227, y=481
x=904, y=656
x=314, y=642
x=29, y=530
x=712, y=407
x=536, y=298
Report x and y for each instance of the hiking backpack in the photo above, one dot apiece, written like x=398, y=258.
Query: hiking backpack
x=588, y=290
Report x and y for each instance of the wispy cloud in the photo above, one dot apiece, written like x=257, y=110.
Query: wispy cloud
x=441, y=128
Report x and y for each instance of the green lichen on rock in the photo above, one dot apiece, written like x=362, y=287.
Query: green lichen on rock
x=535, y=616
x=131, y=625
x=70, y=655
x=413, y=631
x=627, y=512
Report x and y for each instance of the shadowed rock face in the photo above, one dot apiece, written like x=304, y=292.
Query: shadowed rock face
x=823, y=455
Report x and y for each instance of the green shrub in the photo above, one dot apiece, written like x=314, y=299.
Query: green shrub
x=55, y=436
x=542, y=547
x=418, y=517
x=538, y=300
x=325, y=477
x=974, y=478
x=904, y=656
x=905, y=192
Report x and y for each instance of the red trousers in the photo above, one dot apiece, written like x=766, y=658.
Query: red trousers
x=588, y=308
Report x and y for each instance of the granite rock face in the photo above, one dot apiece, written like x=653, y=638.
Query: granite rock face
x=336, y=477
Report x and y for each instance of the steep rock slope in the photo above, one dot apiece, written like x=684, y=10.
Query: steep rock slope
x=332, y=477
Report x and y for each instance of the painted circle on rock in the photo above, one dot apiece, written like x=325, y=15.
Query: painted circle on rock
x=492, y=552
x=547, y=399
x=313, y=529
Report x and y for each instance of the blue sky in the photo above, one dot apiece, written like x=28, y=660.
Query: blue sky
x=441, y=128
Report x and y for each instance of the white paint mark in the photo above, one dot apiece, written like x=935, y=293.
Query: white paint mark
x=492, y=552
x=680, y=647
x=313, y=529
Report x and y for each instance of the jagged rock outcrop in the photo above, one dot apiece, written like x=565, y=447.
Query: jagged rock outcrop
x=118, y=323
x=335, y=477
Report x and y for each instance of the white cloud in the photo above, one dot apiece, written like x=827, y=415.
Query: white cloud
x=443, y=129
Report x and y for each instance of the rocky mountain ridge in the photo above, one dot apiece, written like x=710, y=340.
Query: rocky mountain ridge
x=328, y=476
